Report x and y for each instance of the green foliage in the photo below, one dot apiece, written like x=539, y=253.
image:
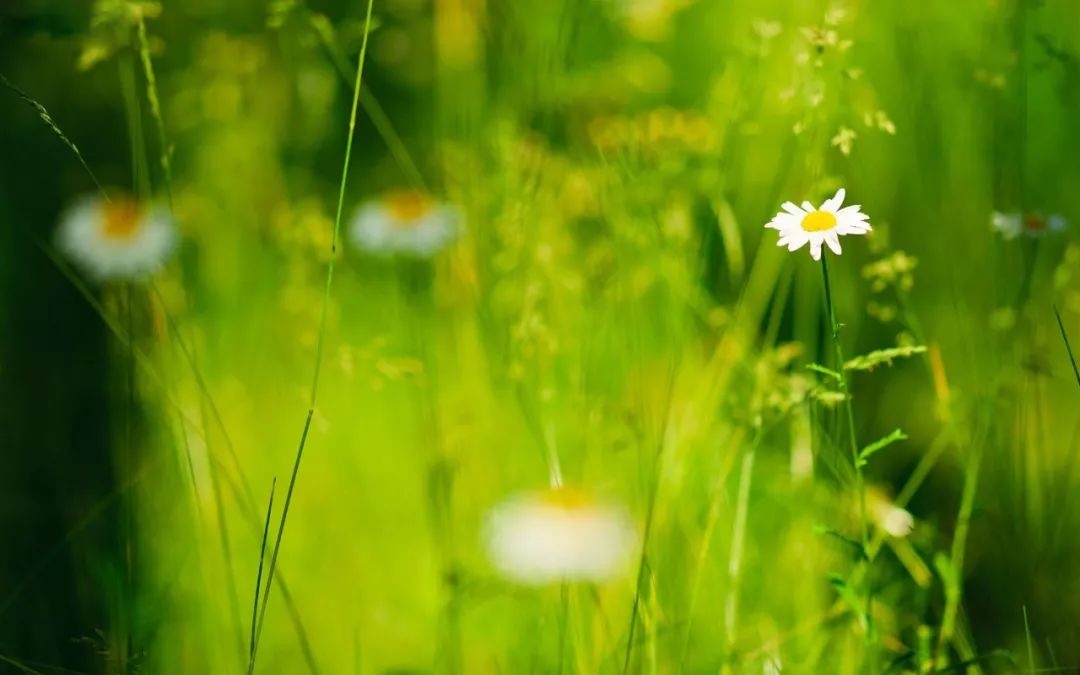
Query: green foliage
x=880, y=444
x=611, y=317
x=882, y=357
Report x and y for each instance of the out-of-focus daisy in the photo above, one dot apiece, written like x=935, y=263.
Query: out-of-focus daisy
x=559, y=535
x=1012, y=225
x=806, y=224
x=892, y=519
x=117, y=239
x=405, y=223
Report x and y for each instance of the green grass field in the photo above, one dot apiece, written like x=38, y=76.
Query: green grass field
x=417, y=258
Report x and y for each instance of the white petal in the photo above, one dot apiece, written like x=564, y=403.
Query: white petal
x=833, y=240
x=834, y=203
x=808, y=206
x=782, y=220
x=794, y=240
x=792, y=209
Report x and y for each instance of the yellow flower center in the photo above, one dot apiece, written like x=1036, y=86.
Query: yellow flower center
x=566, y=498
x=120, y=219
x=1034, y=223
x=406, y=207
x=818, y=221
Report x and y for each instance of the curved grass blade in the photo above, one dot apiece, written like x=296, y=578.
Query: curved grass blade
x=48, y=120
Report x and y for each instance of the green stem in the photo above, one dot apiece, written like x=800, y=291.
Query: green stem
x=643, y=559
x=319, y=345
x=262, y=559
x=954, y=584
x=127, y=470
x=1068, y=346
x=155, y=105
x=738, y=537
x=860, y=489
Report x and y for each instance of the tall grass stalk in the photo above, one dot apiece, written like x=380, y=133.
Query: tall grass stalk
x=735, y=557
x=954, y=580
x=1068, y=346
x=703, y=555
x=320, y=341
x=1027, y=638
x=51, y=123
x=155, y=104
x=127, y=464
x=379, y=119
x=215, y=471
x=650, y=513
x=262, y=559
x=860, y=489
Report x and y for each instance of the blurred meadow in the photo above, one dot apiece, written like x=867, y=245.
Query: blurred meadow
x=532, y=381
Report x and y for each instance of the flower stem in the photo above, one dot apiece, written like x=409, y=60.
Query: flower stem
x=860, y=490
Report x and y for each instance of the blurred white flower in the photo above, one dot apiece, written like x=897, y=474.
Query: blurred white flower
x=803, y=225
x=404, y=223
x=895, y=521
x=559, y=535
x=117, y=239
x=1012, y=225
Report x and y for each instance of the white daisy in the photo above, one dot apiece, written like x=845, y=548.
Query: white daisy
x=404, y=223
x=559, y=535
x=117, y=239
x=801, y=225
x=1012, y=225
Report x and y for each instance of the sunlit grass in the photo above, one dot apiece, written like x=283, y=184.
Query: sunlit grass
x=859, y=465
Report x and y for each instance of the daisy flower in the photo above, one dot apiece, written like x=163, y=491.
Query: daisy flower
x=1012, y=225
x=801, y=225
x=404, y=223
x=559, y=535
x=117, y=239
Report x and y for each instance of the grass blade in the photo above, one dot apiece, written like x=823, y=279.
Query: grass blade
x=262, y=559
x=1068, y=346
x=47, y=119
x=319, y=343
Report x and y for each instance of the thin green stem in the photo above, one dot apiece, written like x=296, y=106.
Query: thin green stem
x=1068, y=346
x=320, y=343
x=1027, y=637
x=126, y=469
x=954, y=584
x=738, y=537
x=262, y=559
x=155, y=104
x=48, y=120
x=379, y=119
x=860, y=488
x=643, y=560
